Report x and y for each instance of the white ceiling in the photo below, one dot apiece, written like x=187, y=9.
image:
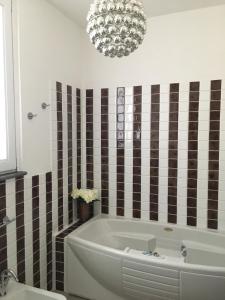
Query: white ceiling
x=77, y=9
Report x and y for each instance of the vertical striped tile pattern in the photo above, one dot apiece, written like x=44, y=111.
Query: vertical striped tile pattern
x=78, y=111
x=37, y=202
x=154, y=152
x=48, y=182
x=36, y=230
x=59, y=153
x=120, y=150
x=105, y=151
x=70, y=152
x=193, y=154
x=89, y=140
x=173, y=152
x=59, y=257
x=59, y=246
x=214, y=146
x=20, y=232
x=3, y=238
x=137, y=118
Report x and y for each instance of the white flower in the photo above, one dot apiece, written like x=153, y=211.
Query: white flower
x=87, y=195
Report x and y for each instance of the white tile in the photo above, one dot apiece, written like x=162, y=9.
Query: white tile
x=163, y=164
x=128, y=195
x=203, y=144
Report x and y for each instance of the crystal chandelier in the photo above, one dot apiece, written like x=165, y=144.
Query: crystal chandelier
x=116, y=27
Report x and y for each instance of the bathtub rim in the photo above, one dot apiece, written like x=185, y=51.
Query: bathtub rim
x=149, y=222
x=73, y=238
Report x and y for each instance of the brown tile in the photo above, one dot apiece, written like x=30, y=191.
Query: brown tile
x=192, y=193
x=120, y=211
x=104, y=92
x=137, y=90
x=215, y=105
x=35, y=181
x=213, y=195
x=214, y=155
x=192, y=164
x=137, y=196
x=212, y=204
x=172, y=219
x=154, y=207
x=193, y=136
x=192, y=183
x=172, y=191
x=2, y=189
x=136, y=205
x=172, y=200
x=89, y=93
x=212, y=224
x=154, y=180
x=191, y=221
x=214, y=115
x=193, y=106
x=173, y=163
x=155, y=107
x=194, y=96
x=212, y=214
x=154, y=216
x=216, y=85
x=193, y=116
x=214, y=125
x=194, y=86
x=155, y=89
x=136, y=214
x=174, y=87
x=213, y=185
x=59, y=86
x=172, y=209
x=174, y=107
x=193, y=125
x=153, y=198
x=214, y=135
x=155, y=98
x=192, y=212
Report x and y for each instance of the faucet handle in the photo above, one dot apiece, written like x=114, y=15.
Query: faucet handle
x=183, y=250
x=7, y=274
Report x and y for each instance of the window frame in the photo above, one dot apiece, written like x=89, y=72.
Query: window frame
x=9, y=164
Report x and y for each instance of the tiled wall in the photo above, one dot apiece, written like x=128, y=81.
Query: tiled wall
x=66, y=148
x=59, y=247
x=160, y=146
x=150, y=150
x=42, y=204
x=26, y=244
x=105, y=150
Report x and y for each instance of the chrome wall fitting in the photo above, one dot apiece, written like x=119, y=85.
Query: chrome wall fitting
x=6, y=221
x=30, y=116
x=44, y=105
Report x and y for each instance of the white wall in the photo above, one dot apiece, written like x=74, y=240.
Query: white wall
x=178, y=47
x=49, y=49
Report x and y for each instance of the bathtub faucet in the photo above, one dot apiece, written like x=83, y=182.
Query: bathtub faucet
x=6, y=275
x=183, y=251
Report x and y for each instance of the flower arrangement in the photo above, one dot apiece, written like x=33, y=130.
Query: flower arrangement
x=86, y=195
x=85, y=199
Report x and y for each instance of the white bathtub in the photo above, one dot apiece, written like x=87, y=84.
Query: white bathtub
x=110, y=259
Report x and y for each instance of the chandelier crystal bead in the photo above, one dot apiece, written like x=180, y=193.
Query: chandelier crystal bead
x=116, y=27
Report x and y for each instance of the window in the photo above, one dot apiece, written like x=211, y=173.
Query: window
x=7, y=114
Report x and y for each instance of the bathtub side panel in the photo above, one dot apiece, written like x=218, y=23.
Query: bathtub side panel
x=202, y=287
x=81, y=282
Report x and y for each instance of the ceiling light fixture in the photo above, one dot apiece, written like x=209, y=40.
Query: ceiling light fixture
x=116, y=27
